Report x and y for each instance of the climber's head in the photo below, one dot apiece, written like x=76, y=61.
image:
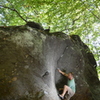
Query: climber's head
x=70, y=75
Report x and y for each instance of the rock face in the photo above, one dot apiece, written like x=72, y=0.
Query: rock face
x=28, y=62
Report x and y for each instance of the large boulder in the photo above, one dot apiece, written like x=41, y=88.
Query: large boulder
x=29, y=59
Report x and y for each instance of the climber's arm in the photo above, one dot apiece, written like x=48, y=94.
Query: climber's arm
x=62, y=72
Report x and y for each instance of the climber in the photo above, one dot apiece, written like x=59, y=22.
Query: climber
x=69, y=88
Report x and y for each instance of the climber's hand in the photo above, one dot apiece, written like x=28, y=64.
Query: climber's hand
x=59, y=70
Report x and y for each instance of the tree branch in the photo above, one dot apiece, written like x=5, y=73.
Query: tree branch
x=13, y=9
x=90, y=10
x=95, y=15
x=73, y=21
x=97, y=5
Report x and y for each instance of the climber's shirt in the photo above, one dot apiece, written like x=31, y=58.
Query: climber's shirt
x=71, y=84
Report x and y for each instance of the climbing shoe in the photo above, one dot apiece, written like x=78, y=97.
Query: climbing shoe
x=62, y=98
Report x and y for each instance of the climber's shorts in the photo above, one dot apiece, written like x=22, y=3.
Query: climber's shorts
x=69, y=94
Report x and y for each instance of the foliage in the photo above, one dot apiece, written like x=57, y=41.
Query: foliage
x=79, y=17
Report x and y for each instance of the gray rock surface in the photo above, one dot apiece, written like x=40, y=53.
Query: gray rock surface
x=29, y=59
